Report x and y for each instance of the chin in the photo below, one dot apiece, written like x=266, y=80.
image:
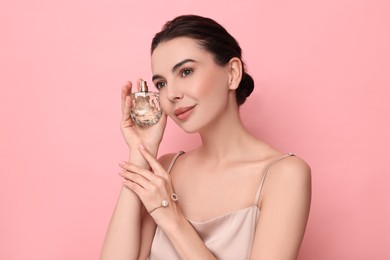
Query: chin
x=192, y=127
x=188, y=129
x=193, y=124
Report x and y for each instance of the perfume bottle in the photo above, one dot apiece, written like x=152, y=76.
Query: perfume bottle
x=145, y=106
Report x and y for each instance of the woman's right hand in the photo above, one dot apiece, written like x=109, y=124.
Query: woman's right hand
x=134, y=135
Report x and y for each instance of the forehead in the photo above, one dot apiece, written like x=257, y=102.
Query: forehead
x=169, y=53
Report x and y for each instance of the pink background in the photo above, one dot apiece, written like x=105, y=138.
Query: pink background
x=322, y=91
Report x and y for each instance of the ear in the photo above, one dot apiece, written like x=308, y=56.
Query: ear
x=235, y=72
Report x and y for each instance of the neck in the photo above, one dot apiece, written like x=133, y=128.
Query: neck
x=226, y=137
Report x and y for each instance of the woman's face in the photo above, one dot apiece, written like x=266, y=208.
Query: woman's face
x=193, y=88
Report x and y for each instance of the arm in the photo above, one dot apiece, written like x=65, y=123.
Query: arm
x=285, y=206
x=128, y=223
x=127, y=235
x=122, y=239
x=154, y=186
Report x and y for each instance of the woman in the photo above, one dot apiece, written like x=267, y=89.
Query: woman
x=233, y=197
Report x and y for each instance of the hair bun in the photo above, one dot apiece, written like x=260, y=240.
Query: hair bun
x=245, y=88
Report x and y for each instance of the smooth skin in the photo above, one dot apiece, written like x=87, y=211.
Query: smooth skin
x=227, y=167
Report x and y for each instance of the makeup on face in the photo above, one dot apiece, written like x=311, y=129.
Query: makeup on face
x=193, y=88
x=182, y=113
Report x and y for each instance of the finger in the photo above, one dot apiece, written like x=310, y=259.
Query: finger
x=134, y=187
x=126, y=111
x=141, y=193
x=154, y=164
x=153, y=188
x=126, y=90
x=134, y=169
x=136, y=178
x=163, y=120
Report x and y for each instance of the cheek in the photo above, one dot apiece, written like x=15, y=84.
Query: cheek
x=214, y=85
x=165, y=104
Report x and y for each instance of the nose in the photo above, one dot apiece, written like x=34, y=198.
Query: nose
x=174, y=94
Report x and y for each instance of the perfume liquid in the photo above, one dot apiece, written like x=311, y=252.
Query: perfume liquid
x=145, y=106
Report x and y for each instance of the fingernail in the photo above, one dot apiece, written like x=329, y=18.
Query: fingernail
x=122, y=163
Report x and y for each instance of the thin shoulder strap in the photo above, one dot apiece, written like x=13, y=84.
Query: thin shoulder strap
x=265, y=174
x=174, y=160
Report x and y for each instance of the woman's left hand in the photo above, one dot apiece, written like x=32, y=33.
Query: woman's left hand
x=153, y=187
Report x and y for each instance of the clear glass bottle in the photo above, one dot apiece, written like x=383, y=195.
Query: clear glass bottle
x=145, y=106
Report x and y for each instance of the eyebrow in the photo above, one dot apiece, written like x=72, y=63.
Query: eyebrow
x=174, y=68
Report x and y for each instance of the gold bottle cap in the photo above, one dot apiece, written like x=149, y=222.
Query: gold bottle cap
x=143, y=86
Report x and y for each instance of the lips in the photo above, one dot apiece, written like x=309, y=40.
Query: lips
x=183, y=112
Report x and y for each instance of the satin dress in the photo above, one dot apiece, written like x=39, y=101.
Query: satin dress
x=228, y=237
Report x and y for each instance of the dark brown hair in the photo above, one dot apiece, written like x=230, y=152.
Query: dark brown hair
x=212, y=37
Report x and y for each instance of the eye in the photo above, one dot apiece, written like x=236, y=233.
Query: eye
x=185, y=72
x=160, y=84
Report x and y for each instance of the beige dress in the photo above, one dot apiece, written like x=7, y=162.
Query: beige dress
x=229, y=236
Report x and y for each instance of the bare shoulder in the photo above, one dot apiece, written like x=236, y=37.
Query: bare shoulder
x=290, y=168
x=285, y=207
x=288, y=177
